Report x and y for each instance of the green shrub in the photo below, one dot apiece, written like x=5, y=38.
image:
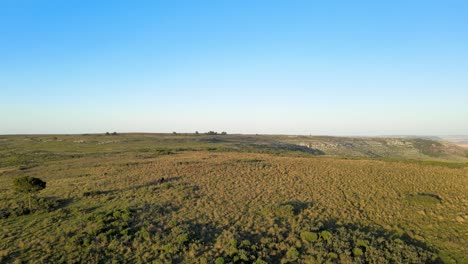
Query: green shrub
x=292, y=254
x=307, y=236
x=243, y=255
x=357, y=252
x=325, y=235
x=260, y=261
x=285, y=211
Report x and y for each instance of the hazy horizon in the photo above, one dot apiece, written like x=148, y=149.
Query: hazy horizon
x=244, y=134
x=300, y=68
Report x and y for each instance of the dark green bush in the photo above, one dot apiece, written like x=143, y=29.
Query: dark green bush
x=26, y=184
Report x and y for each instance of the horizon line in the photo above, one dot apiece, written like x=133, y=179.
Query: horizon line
x=234, y=133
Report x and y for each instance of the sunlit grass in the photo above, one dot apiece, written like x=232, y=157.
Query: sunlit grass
x=112, y=204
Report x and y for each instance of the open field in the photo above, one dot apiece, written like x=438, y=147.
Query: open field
x=463, y=145
x=461, y=141
x=234, y=198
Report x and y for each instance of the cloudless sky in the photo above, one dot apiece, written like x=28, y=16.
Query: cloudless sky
x=290, y=67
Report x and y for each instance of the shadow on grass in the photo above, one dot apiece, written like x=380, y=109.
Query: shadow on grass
x=135, y=187
x=364, y=244
x=376, y=233
x=204, y=232
x=45, y=204
x=298, y=206
x=61, y=203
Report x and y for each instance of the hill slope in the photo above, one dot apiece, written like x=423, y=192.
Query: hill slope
x=405, y=148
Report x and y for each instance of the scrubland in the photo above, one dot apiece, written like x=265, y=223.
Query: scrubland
x=145, y=198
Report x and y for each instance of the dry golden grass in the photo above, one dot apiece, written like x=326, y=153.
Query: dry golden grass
x=219, y=196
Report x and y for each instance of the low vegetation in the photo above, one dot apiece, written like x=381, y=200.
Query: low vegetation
x=224, y=199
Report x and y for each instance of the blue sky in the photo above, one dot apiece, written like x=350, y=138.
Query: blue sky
x=289, y=67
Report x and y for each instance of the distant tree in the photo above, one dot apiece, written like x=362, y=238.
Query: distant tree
x=107, y=133
x=196, y=133
x=29, y=186
x=212, y=133
x=224, y=133
x=114, y=134
x=174, y=133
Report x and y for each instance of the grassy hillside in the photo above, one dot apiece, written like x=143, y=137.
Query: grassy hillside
x=219, y=199
x=404, y=148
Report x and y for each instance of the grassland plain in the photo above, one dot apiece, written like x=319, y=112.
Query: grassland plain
x=233, y=198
